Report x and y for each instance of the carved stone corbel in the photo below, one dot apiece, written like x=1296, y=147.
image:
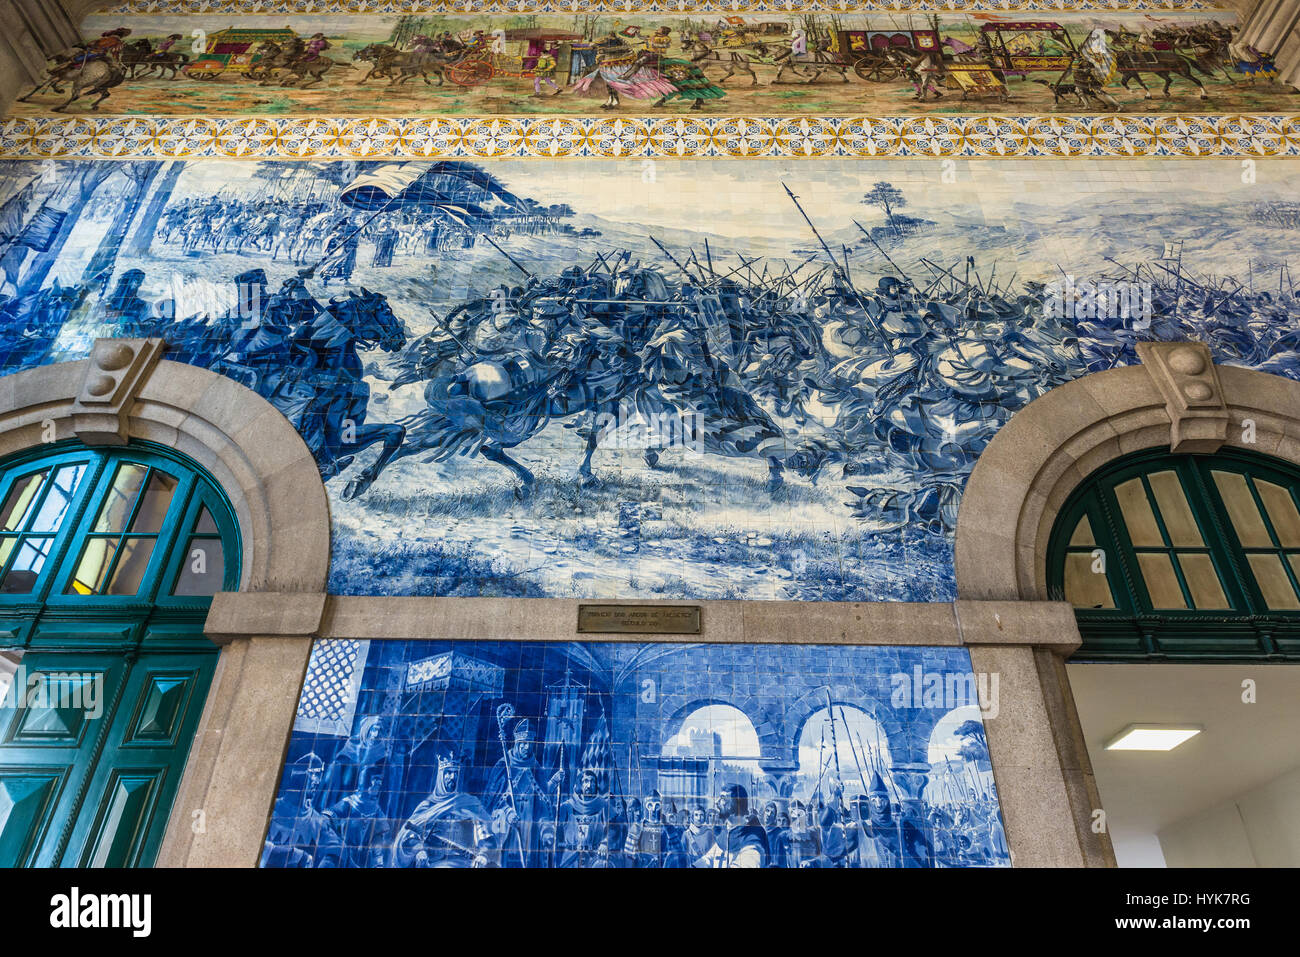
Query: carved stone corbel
x=117, y=371
x=1185, y=375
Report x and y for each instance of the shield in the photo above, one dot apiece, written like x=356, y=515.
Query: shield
x=717, y=330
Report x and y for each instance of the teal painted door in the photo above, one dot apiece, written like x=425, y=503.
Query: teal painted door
x=92, y=747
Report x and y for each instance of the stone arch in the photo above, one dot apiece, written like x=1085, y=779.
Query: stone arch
x=1049, y=447
x=123, y=392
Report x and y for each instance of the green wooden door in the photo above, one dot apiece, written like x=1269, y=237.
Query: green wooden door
x=92, y=753
x=108, y=560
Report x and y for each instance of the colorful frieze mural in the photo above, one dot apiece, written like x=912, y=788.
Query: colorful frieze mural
x=811, y=64
x=519, y=754
x=649, y=378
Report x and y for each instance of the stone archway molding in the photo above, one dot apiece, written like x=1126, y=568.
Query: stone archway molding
x=1177, y=398
x=125, y=391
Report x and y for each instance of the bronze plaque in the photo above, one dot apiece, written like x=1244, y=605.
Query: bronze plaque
x=639, y=619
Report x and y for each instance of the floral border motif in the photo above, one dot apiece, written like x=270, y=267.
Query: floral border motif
x=683, y=137
x=326, y=7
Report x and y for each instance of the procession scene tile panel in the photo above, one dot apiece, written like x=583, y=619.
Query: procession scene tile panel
x=778, y=64
x=647, y=378
x=512, y=754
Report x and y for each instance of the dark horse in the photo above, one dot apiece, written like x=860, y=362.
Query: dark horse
x=142, y=61
x=289, y=64
x=1166, y=64
x=96, y=75
x=316, y=379
x=400, y=66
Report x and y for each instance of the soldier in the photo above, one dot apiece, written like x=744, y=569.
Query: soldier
x=359, y=821
x=652, y=841
x=448, y=828
x=799, y=845
x=585, y=817
x=300, y=835
x=884, y=839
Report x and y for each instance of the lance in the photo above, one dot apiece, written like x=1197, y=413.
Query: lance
x=672, y=259
x=514, y=262
x=555, y=838
x=849, y=734
x=881, y=250
x=870, y=318
x=888, y=775
x=835, y=747
x=504, y=713
x=821, y=766
x=708, y=256
x=311, y=271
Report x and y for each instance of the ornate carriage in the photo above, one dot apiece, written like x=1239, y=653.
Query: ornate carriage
x=869, y=51
x=480, y=64
x=233, y=51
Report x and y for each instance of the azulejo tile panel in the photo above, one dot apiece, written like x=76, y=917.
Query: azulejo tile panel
x=519, y=754
x=645, y=377
x=495, y=138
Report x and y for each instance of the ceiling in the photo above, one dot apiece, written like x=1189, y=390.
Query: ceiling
x=1242, y=746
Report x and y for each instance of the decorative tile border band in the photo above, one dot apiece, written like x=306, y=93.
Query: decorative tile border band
x=130, y=137
x=325, y=7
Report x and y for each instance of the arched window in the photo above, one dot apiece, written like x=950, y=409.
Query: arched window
x=108, y=561
x=1190, y=557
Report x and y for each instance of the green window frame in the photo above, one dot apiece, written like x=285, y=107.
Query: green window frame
x=1187, y=557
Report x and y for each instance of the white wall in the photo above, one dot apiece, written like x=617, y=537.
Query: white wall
x=1136, y=848
x=1258, y=828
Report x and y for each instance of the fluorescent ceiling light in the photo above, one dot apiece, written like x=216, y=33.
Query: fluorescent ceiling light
x=1152, y=737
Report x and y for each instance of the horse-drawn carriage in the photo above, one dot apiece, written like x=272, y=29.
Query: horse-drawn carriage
x=871, y=53
x=234, y=51
x=480, y=63
x=1011, y=49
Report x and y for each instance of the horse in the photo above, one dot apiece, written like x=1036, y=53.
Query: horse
x=320, y=387
x=400, y=66
x=291, y=59
x=701, y=52
x=1166, y=64
x=142, y=61
x=488, y=402
x=97, y=75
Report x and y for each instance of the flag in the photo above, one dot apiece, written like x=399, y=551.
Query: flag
x=40, y=230
x=736, y=21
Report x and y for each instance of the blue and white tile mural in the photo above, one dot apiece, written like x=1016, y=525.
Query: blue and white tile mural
x=650, y=378
x=513, y=754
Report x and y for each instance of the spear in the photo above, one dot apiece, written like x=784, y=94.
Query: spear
x=835, y=748
x=514, y=262
x=555, y=839
x=881, y=249
x=853, y=748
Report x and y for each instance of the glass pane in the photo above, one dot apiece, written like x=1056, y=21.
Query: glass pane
x=1085, y=588
x=1082, y=533
x=203, y=570
x=93, y=567
x=1139, y=518
x=153, y=504
x=1272, y=580
x=6, y=548
x=1241, y=510
x=1202, y=581
x=1174, y=509
x=19, y=501
x=1162, y=584
x=26, y=567
x=58, y=498
x=120, y=498
x=205, y=524
x=1281, y=511
x=131, y=566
